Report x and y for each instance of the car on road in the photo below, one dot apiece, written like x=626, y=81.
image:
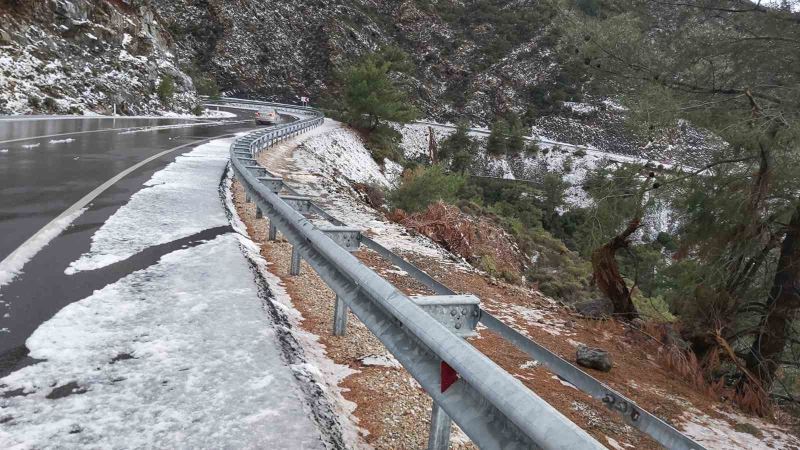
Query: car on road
x=267, y=116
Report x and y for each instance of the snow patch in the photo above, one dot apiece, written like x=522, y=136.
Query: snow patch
x=178, y=201
x=718, y=433
x=386, y=360
x=193, y=377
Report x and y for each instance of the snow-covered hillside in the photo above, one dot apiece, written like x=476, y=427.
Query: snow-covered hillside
x=83, y=57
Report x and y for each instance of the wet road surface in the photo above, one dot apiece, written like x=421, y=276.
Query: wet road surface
x=40, y=177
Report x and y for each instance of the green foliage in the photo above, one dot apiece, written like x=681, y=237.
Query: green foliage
x=207, y=86
x=733, y=73
x=370, y=97
x=515, y=143
x=166, y=89
x=507, y=136
x=50, y=103
x=369, y=94
x=423, y=186
x=383, y=142
x=589, y=7
x=553, y=189
x=496, y=144
x=457, y=151
x=532, y=149
x=197, y=109
x=653, y=308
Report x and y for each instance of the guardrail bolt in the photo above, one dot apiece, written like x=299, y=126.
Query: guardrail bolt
x=439, y=438
x=340, y=317
x=294, y=269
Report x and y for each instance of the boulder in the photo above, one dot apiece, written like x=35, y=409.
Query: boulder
x=594, y=358
x=599, y=308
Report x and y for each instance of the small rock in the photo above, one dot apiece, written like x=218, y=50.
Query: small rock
x=638, y=323
x=594, y=358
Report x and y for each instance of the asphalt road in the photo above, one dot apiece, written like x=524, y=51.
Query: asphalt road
x=48, y=164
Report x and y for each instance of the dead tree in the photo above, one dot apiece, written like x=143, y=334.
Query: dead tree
x=607, y=276
x=432, y=147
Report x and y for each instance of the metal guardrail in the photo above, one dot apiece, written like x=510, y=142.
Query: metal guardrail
x=493, y=408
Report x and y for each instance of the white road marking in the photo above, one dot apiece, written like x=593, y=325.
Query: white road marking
x=12, y=264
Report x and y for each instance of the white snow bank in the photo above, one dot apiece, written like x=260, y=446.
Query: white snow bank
x=206, y=114
x=206, y=368
x=179, y=201
x=340, y=153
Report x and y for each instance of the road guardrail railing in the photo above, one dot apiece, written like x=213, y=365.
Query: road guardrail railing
x=489, y=404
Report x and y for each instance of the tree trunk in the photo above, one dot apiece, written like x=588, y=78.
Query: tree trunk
x=782, y=305
x=432, y=147
x=606, y=273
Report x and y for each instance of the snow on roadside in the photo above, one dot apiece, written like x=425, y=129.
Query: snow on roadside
x=206, y=114
x=750, y=433
x=319, y=367
x=160, y=212
x=341, y=153
x=179, y=354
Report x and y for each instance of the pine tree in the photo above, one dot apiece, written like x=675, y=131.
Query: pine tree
x=458, y=150
x=496, y=145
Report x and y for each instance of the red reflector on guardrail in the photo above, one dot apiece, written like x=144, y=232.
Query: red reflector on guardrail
x=449, y=376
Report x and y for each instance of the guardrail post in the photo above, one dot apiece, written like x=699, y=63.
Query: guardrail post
x=273, y=231
x=294, y=269
x=349, y=239
x=339, y=317
x=259, y=214
x=439, y=438
x=460, y=314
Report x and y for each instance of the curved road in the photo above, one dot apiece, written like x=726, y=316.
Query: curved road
x=47, y=164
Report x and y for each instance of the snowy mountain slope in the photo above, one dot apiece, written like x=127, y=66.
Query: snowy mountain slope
x=84, y=56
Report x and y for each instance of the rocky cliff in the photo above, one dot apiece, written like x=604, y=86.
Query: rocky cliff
x=85, y=56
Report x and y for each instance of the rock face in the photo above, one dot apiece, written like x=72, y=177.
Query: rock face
x=76, y=56
x=280, y=49
x=594, y=358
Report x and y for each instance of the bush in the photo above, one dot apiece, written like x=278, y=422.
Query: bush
x=653, y=308
x=384, y=142
x=197, y=109
x=421, y=187
x=50, y=103
x=496, y=145
x=579, y=153
x=166, y=89
x=458, y=149
x=532, y=149
x=589, y=7
x=207, y=86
